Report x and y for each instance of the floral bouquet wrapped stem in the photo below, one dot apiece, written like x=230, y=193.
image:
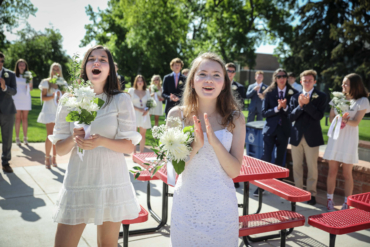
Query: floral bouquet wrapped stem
x=172, y=146
x=28, y=76
x=81, y=102
x=341, y=104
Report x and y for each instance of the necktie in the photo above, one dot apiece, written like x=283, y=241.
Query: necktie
x=281, y=94
x=176, y=80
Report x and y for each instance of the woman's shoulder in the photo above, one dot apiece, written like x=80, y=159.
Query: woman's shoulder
x=121, y=96
x=175, y=111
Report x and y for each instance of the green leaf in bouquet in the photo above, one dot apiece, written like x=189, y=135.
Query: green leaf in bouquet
x=138, y=168
x=134, y=172
x=155, y=170
x=73, y=116
x=189, y=129
x=99, y=102
x=178, y=166
x=137, y=175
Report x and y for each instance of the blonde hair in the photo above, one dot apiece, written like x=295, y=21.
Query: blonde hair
x=309, y=72
x=259, y=72
x=226, y=104
x=176, y=60
x=51, y=70
x=153, y=77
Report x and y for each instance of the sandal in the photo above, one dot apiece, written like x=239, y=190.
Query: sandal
x=47, y=162
x=54, y=161
x=18, y=141
x=25, y=141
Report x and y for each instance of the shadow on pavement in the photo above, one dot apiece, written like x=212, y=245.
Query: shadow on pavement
x=59, y=177
x=32, y=154
x=28, y=202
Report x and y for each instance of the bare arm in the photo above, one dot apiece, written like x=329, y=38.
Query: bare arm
x=44, y=97
x=331, y=115
x=357, y=119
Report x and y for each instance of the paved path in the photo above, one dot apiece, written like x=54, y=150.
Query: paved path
x=27, y=199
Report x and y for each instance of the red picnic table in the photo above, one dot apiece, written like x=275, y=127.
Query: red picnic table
x=360, y=201
x=252, y=169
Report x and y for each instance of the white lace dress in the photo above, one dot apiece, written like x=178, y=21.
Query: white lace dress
x=22, y=99
x=98, y=189
x=205, y=207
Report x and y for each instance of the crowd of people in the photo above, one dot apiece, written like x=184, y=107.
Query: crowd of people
x=97, y=189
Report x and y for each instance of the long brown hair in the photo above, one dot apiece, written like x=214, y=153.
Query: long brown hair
x=16, y=69
x=273, y=84
x=226, y=104
x=112, y=85
x=357, y=87
x=135, y=81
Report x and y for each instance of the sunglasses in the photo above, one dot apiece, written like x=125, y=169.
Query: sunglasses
x=281, y=76
x=230, y=71
x=2, y=61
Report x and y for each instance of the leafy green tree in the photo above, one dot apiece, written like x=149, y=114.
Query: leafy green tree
x=11, y=12
x=333, y=38
x=39, y=49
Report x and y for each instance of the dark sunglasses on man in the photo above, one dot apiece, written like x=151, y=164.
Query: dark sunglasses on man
x=230, y=71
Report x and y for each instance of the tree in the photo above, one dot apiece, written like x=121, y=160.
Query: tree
x=333, y=38
x=11, y=12
x=39, y=49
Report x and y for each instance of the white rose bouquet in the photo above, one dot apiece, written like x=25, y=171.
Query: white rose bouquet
x=81, y=102
x=151, y=103
x=28, y=76
x=154, y=88
x=171, y=144
x=60, y=82
x=341, y=104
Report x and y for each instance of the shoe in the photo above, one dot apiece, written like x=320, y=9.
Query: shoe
x=236, y=185
x=344, y=206
x=54, y=161
x=312, y=201
x=330, y=205
x=18, y=141
x=255, y=193
x=25, y=141
x=47, y=162
x=7, y=169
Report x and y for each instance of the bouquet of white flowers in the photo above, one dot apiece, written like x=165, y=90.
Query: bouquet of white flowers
x=154, y=88
x=151, y=103
x=60, y=82
x=28, y=76
x=171, y=144
x=341, y=104
x=81, y=102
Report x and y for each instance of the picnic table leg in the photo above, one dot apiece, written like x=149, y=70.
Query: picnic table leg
x=246, y=207
x=152, y=213
x=163, y=221
x=259, y=201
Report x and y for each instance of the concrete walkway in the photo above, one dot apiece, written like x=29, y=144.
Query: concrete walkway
x=27, y=199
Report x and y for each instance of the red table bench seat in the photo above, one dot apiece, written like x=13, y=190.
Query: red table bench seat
x=143, y=217
x=341, y=222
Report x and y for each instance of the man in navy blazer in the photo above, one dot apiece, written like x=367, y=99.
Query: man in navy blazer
x=173, y=85
x=308, y=108
x=254, y=93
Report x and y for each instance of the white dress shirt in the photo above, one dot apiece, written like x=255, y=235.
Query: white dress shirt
x=297, y=86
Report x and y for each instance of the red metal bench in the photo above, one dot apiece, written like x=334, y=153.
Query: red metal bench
x=143, y=217
x=266, y=222
x=341, y=222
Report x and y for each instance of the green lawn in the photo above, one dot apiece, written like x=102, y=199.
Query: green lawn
x=37, y=131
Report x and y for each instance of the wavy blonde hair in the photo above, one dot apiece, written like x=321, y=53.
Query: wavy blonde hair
x=152, y=80
x=226, y=104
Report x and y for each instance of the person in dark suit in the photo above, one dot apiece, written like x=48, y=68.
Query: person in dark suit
x=254, y=93
x=237, y=88
x=307, y=109
x=173, y=85
x=276, y=110
x=8, y=88
x=120, y=78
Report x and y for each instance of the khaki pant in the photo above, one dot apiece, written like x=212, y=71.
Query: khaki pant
x=311, y=154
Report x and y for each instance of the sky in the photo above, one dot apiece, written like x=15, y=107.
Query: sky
x=70, y=18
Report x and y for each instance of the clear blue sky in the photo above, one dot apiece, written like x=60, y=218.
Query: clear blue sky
x=70, y=18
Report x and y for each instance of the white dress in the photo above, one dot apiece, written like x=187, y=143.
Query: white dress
x=98, y=189
x=49, y=108
x=158, y=110
x=205, y=207
x=141, y=121
x=345, y=148
x=22, y=99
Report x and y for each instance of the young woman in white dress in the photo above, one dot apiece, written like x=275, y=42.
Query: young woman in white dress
x=157, y=96
x=49, y=109
x=98, y=189
x=205, y=208
x=139, y=96
x=22, y=100
x=344, y=150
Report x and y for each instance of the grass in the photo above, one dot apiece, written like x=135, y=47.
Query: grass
x=37, y=131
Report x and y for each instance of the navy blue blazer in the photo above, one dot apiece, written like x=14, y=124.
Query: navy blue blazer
x=239, y=93
x=256, y=102
x=307, y=119
x=272, y=117
x=169, y=87
x=6, y=100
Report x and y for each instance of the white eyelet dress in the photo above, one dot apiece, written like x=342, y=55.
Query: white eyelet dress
x=205, y=207
x=99, y=188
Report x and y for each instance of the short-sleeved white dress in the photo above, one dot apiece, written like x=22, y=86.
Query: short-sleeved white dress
x=22, y=99
x=99, y=188
x=141, y=121
x=345, y=148
x=49, y=108
x=158, y=110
